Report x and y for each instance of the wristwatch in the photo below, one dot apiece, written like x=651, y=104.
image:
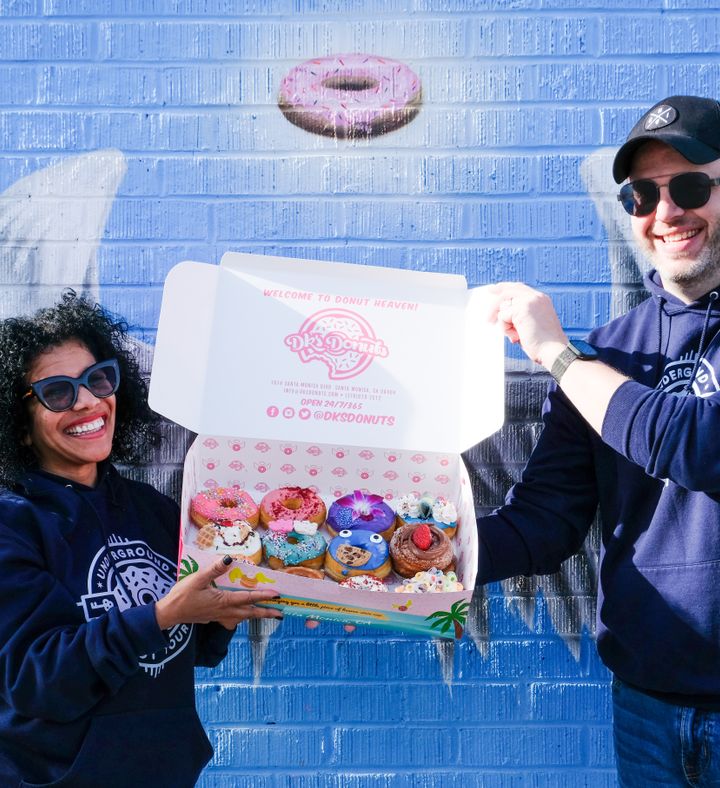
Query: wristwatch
x=577, y=349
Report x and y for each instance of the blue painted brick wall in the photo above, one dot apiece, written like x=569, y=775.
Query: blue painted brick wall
x=485, y=182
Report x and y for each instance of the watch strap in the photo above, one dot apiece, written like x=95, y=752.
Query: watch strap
x=563, y=361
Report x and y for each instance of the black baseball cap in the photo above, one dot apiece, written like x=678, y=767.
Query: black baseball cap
x=690, y=124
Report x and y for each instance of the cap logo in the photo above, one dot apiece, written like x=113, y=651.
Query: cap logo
x=661, y=116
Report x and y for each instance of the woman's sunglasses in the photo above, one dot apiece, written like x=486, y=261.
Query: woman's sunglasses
x=59, y=392
x=688, y=190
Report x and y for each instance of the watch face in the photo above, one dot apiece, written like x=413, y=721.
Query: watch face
x=586, y=351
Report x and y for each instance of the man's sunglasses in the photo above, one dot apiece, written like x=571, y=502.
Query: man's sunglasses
x=59, y=392
x=687, y=190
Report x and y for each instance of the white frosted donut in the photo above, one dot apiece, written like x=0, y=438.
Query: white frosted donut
x=350, y=95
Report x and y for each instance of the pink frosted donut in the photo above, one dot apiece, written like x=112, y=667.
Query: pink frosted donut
x=223, y=505
x=350, y=95
x=292, y=503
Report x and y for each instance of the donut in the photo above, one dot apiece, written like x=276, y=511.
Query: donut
x=292, y=503
x=417, y=547
x=238, y=540
x=364, y=583
x=431, y=582
x=362, y=511
x=350, y=96
x=435, y=511
x=223, y=505
x=357, y=553
x=293, y=543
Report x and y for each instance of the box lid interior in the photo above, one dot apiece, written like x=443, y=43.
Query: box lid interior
x=268, y=347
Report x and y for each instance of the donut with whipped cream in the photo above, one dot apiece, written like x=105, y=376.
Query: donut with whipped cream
x=223, y=505
x=292, y=503
x=435, y=511
x=357, y=553
x=417, y=547
x=364, y=583
x=349, y=96
x=238, y=540
x=293, y=543
x=361, y=511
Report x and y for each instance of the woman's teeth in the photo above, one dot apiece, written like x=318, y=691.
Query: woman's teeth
x=90, y=426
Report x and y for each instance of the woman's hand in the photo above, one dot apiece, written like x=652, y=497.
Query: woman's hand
x=194, y=600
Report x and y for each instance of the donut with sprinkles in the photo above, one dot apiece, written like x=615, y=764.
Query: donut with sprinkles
x=350, y=96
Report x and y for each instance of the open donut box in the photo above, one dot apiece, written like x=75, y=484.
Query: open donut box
x=336, y=377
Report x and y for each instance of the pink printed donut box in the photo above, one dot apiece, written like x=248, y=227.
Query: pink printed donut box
x=328, y=408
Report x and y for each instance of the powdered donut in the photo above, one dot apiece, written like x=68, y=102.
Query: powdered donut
x=292, y=503
x=357, y=553
x=293, y=543
x=363, y=511
x=223, y=505
x=417, y=547
x=350, y=95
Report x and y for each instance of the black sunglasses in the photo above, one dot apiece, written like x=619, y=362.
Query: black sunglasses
x=687, y=190
x=60, y=392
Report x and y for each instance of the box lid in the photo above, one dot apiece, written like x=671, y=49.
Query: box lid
x=278, y=348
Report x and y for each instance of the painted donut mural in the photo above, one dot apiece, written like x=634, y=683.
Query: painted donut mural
x=348, y=96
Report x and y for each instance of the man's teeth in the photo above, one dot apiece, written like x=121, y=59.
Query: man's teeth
x=680, y=236
x=90, y=426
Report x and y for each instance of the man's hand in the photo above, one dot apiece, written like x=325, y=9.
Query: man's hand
x=195, y=600
x=528, y=316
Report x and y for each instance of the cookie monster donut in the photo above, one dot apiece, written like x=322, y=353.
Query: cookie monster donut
x=292, y=503
x=357, y=553
x=434, y=511
x=350, y=95
x=361, y=511
x=223, y=505
x=293, y=543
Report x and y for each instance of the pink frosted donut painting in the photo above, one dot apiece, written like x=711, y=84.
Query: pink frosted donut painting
x=350, y=96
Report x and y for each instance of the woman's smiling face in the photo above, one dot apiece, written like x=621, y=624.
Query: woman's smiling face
x=72, y=442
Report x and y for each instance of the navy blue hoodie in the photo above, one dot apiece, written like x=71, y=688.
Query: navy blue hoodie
x=655, y=474
x=92, y=692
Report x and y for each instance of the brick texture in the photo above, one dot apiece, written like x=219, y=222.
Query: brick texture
x=487, y=181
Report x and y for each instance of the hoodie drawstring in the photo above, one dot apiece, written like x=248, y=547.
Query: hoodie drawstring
x=701, y=347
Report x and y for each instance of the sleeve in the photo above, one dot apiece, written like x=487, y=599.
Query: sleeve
x=52, y=665
x=212, y=644
x=212, y=640
x=671, y=436
x=547, y=514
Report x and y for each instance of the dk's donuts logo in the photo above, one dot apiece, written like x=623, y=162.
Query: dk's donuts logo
x=340, y=339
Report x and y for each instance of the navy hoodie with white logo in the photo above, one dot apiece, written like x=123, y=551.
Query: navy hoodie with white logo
x=655, y=474
x=92, y=692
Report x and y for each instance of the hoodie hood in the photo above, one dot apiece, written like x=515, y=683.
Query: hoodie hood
x=684, y=334
x=671, y=304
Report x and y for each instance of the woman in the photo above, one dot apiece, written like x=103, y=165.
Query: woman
x=97, y=642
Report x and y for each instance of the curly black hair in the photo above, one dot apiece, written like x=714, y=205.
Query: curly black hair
x=23, y=339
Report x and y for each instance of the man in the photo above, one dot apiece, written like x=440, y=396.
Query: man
x=633, y=425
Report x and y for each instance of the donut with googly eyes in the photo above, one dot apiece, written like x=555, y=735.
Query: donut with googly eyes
x=357, y=553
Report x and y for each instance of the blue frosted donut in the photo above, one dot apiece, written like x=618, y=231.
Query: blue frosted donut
x=293, y=549
x=357, y=553
x=363, y=512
